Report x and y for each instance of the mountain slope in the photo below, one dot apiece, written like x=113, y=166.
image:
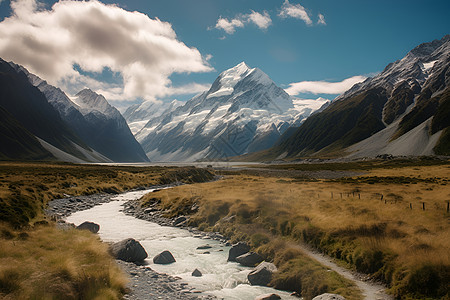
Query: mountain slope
x=17, y=142
x=243, y=111
x=105, y=130
x=26, y=104
x=94, y=120
x=138, y=115
x=401, y=99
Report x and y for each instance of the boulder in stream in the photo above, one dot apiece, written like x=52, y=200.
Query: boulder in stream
x=128, y=250
x=237, y=250
x=328, y=296
x=268, y=297
x=262, y=274
x=249, y=259
x=164, y=258
x=197, y=273
x=92, y=227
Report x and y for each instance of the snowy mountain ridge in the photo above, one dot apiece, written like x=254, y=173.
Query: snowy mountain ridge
x=243, y=111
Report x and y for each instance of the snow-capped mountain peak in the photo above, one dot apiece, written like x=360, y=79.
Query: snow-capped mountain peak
x=243, y=111
x=89, y=101
x=225, y=83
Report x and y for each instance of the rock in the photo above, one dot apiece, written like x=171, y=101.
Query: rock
x=249, y=259
x=197, y=273
x=179, y=220
x=237, y=250
x=268, y=297
x=92, y=227
x=164, y=258
x=262, y=274
x=328, y=296
x=204, y=247
x=128, y=250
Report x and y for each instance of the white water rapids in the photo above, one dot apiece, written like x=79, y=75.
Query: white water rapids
x=227, y=280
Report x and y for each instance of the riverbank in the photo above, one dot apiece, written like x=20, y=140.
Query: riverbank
x=37, y=259
x=390, y=223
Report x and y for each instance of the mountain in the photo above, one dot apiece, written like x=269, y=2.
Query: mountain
x=17, y=142
x=243, y=111
x=105, y=129
x=27, y=117
x=138, y=115
x=94, y=120
x=404, y=110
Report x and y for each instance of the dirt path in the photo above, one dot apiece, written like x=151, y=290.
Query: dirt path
x=370, y=290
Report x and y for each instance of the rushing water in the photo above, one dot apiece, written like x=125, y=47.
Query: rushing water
x=221, y=278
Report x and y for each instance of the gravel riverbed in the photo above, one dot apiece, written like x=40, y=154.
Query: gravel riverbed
x=144, y=283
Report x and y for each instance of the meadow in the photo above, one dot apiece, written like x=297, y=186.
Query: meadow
x=391, y=223
x=40, y=261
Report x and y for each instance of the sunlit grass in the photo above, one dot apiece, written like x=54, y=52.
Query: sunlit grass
x=47, y=263
x=374, y=223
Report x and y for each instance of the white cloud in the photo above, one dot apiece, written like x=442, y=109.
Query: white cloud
x=93, y=35
x=323, y=87
x=229, y=26
x=321, y=20
x=262, y=21
x=294, y=11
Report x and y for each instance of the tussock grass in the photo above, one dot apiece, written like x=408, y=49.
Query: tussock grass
x=367, y=223
x=40, y=262
x=47, y=263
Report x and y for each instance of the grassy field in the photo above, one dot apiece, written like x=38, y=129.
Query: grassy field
x=39, y=261
x=374, y=223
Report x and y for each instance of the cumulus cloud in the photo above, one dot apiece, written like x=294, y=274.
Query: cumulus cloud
x=296, y=11
x=262, y=21
x=95, y=36
x=229, y=26
x=321, y=20
x=323, y=87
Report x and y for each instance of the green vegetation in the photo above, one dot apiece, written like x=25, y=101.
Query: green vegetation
x=391, y=224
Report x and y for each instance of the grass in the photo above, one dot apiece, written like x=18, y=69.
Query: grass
x=47, y=263
x=25, y=188
x=374, y=223
x=39, y=261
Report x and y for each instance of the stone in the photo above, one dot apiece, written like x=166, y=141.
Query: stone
x=204, y=247
x=92, y=227
x=179, y=220
x=262, y=274
x=328, y=296
x=128, y=250
x=197, y=273
x=268, y=297
x=249, y=259
x=237, y=250
x=164, y=258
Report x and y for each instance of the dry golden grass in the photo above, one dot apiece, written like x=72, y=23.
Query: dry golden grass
x=47, y=263
x=367, y=221
x=42, y=262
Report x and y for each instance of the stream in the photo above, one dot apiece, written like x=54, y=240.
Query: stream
x=225, y=280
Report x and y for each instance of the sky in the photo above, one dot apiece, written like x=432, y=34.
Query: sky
x=132, y=51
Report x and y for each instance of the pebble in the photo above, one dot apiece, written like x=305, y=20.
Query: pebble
x=144, y=283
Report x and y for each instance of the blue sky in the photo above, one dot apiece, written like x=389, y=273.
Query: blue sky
x=359, y=38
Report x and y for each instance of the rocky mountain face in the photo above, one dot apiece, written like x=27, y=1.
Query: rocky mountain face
x=404, y=110
x=95, y=121
x=138, y=115
x=27, y=115
x=243, y=111
x=89, y=129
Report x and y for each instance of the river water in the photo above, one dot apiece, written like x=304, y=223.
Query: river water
x=227, y=280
